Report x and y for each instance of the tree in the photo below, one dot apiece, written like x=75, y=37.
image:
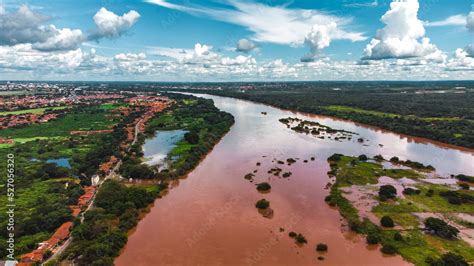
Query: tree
x=389, y=249
x=322, y=247
x=448, y=259
x=440, y=228
x=192, y=137
x=262, y=204
x=387, y=192
x=373, y=238
x=386, y=221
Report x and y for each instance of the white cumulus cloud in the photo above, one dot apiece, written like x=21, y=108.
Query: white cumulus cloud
x=318, y=39
x=62, y=39
x=109, y=25
x=403, y=35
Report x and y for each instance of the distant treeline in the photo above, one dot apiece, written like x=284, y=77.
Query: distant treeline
x=443, y=116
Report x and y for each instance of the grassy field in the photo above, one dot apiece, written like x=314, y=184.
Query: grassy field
x=62, y=126
x=416, y=245
x=38, y=111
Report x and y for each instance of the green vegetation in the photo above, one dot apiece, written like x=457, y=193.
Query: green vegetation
x=262, y=204
x=414, y=244
x=37, y=111
x=446, y=117
x=205, y=125
x=298, y=237
x=44, y=191
x=263, y=187
x=81, y=118
x=104, y=231
x=386, y=221
x=440, y=228
x=321, y=247
x=387, y=192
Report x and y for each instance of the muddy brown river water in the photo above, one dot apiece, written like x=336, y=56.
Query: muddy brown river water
x=209, y=218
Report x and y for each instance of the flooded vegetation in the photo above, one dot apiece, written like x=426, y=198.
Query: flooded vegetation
x=405, y=216
x=215, y=219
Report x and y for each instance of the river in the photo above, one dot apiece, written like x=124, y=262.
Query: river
x=209, y=218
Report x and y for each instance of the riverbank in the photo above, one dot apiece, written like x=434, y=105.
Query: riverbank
x=423, y=117
x=373, y=191
x=213, y=210
x=120, y=205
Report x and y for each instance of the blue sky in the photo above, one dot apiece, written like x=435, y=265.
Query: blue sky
x=175, y=40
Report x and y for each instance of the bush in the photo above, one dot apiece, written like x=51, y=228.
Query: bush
x=464, y=186
x=440, y=228
x=465, y=178
x=263, y=186
x=448, y=259
x=386, y=221
x=262, y=204
x=398, y=237
x=292, y=234
x=389, y=249
x=387, y=192
x=363, y=157
x=411, y=191
x=378, y=158
x=321, y=247
x=430, y=193
x=300, y=239
x=192, y=137
x=373, y=238
x=457, y=198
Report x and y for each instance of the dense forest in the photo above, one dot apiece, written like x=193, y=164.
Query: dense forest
x=445, y=115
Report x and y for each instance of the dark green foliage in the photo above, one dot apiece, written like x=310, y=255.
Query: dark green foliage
x=192, y=137
x=100, y=238
x=373, y=238
x=440, y=228
x=263, y=186
x=262, y=204
x=411, y=191
x=378, y=158
x=292, y=234
x=448, y=259
x=464, y=186
x=389, y=249
x=457, y=198
x=300, y=239
x=335, y=157
x=397, y=236
x=362, y=157
x=387, y=192
x=321, y=247
x=430, y=193
x=249, y=176
x=386, y=221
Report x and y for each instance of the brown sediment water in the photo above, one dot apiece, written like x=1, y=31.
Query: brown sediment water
x=210, y=217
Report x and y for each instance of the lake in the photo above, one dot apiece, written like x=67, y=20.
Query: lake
x=155, y=149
